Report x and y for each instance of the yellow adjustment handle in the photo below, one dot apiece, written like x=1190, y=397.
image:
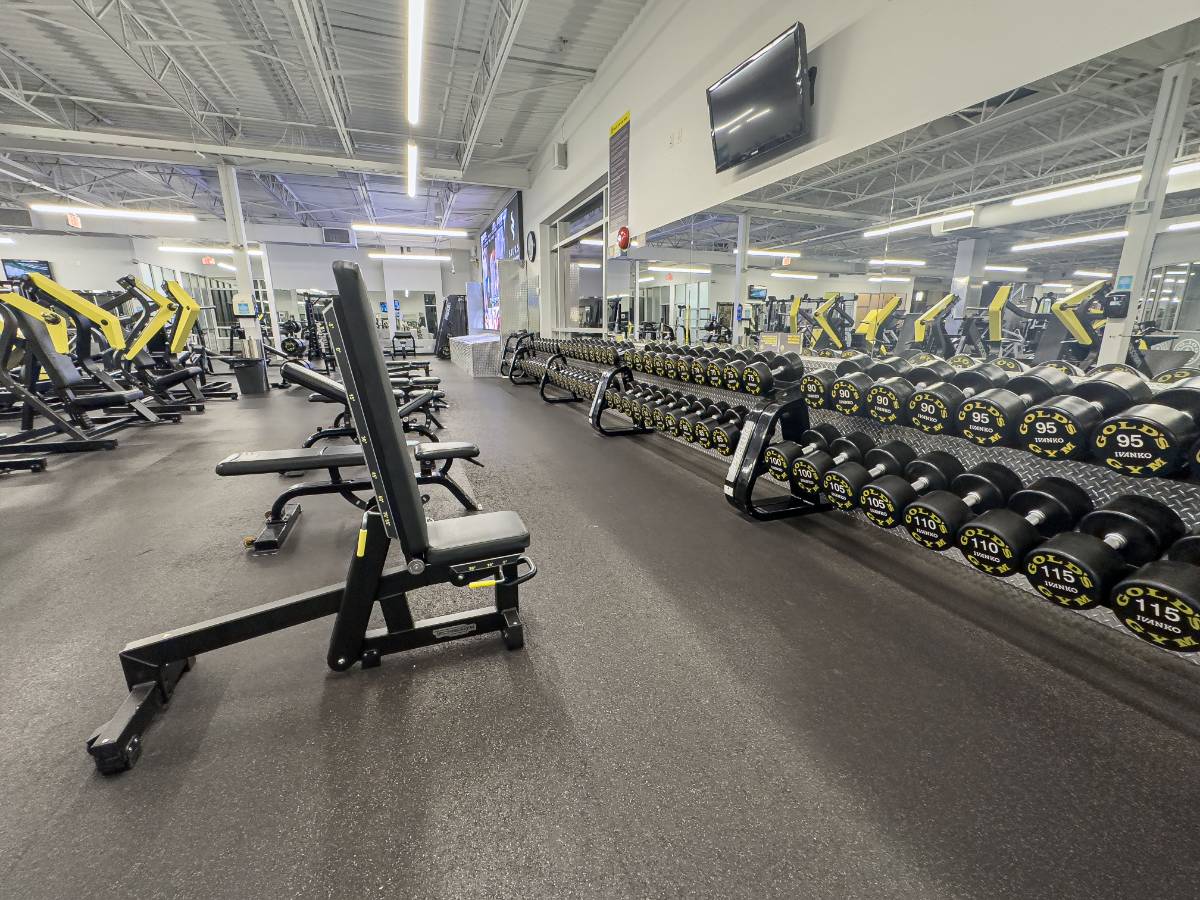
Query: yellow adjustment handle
x=487, y=582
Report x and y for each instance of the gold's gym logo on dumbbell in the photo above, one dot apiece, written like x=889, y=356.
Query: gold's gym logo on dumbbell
x=987, y=552
x=1159, y=617
x=1132, y=447
x=1047, y=432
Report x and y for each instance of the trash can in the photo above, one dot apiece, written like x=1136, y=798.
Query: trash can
x=251, y=375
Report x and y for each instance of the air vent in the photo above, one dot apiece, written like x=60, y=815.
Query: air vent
x=560, y=155
x=342, y=237
x=15, y=218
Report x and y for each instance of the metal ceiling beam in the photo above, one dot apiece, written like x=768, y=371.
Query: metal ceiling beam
x=500, y=35
x=36, y=138
x=282, y=193
x=46, y=81
x=154, y=62
x=318, y=45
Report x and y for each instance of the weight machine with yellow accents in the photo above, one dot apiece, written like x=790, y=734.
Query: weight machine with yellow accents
x=833, y=323
x=870, y=333
x=929, y=328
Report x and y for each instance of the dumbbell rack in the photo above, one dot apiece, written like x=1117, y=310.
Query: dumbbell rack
x=1100, y=482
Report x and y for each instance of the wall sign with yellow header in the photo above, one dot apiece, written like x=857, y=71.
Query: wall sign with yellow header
x=618, y=180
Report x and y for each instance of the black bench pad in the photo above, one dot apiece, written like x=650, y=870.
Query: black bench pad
x=262, y=462
x=435, y=450
x=471, y=538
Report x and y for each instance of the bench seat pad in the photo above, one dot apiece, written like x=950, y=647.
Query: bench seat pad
x=478, y=537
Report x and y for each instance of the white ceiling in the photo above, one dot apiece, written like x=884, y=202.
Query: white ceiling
x=298, y=80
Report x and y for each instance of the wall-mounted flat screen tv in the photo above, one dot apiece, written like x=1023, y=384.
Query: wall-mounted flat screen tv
x=15, y=268
x=764, y=104
x=500, y=240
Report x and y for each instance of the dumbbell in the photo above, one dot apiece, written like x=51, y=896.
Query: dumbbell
x=889, y=367
x=934, y=520
x=778, y=458
x=854, y=362
x=1078, y=569
x=683, y=364
x=1178, y=374
x=727, y=432
x=963, y=361
x=1152, y=438
x=1160, y=602
x=760, y=375
x=998, y=541
x=883, y=500
x=815, y=386
x=673, y=404
x=671, y=416
x=708, y=413
x=1015, y=366
x=843, y=483
x=646, y=407
x=887, y=399
x=931, y=408
x=631, y=400
x=714, y=368
x=686, y=419
x=848, y=394
x=1061, y=427
x=717, y=415
x=992, y=418
x=700, y=357
x=808, y=472
x=1068, y=367
x=735, y=365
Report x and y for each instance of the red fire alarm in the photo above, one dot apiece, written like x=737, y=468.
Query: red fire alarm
x=208, y=261
x=623, y=237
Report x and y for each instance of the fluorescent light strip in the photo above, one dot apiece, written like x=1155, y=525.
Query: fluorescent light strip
x=1085, y=273
x=1017, y=269
x=1075, y=190
x=1184, y=168
x=411, y=174
x=416, y=41
x=411, y=257
x=679, y=270
x=897, y=262
x=1061, y=285
x=920, y=223
x=409, y=229
x=7, y=240
x=776, y=254
x=592, y=242
x=1068, y=241
x=646, y=278
x=879, y=278
x=800, y=276
x=1184, y=226
x=227, y=266
x=589, y=265
x=205, y=251
x=148, y=215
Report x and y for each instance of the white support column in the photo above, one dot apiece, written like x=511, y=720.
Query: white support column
x=739, y=278
x=1146, y=209
x=235, y=226
x=969, y=275
x=269, y=289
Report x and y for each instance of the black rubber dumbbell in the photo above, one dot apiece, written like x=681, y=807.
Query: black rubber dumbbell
x=998, y=541
x=1061, y=427
x=1152, y=438
x=848, y=394
x=889, y=367
x=992, y=418
x=843, y=483
x=778, y=458
x=815, y=387
x=673, y=403
x=727, y=432
x=934, y=520
x=1078, y=569
x=808, y=472
x=887, y=399
x=672, y=415
x=629, y=401
x=1160, y=602
x=714, y=368
x=884, y=500
x=932, y=408
x=717, y=414
x=645, y=408
x=735, y=365
x=855, y=362
x=760, y=375
x=700, y=357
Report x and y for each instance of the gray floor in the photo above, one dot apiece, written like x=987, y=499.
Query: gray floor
x=707, y=707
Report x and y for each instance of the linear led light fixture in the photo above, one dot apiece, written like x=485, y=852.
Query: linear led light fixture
x=592, y=242
x=896, y=262
x=1086, y=273
x=105, y=213
x=645, y=278
x=1184, y=168
x=776, y=254
x=1068, y=241
x=416, y=41
x=1184, y=226
x=411, y=173
x=411, y=257
x=409, y=229
x=589, y=265
x=7, y=240
x=1076, y=189
x=1060, y=285
x=879, y=278
x=679, y=270
x=206, y=251
x=227, y=266
x=920, y=223
x=1017, y=269
x=800, y=276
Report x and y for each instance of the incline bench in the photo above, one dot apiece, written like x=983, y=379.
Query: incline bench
x=485, y=550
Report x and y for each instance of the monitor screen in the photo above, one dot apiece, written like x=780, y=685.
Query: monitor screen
x=763, y=104
x=500, y=240
x=15, y=268
x=758, y=293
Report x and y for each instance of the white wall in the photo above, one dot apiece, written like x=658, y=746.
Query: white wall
x=885, y=66
x=86, y=263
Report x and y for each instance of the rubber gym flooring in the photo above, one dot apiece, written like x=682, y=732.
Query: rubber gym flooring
x=706, y=706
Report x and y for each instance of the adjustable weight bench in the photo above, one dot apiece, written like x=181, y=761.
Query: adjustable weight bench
x=285, y=511
x=326, y=390
x=486, y=550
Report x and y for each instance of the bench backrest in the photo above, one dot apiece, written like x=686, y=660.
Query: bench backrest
x=351, y=324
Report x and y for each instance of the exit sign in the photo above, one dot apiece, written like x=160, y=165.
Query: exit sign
x=74, y=221
x=208, y=261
